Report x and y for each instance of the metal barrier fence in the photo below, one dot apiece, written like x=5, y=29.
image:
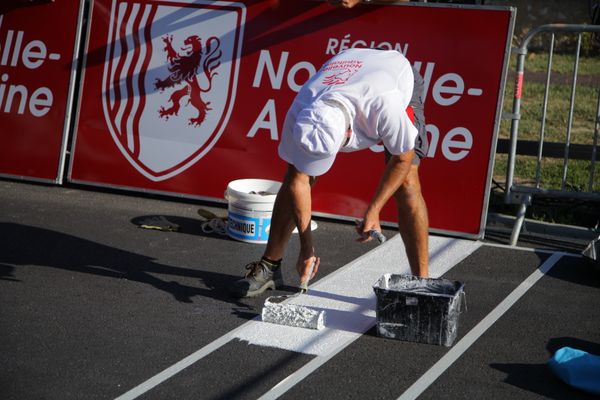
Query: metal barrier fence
x=522, y=194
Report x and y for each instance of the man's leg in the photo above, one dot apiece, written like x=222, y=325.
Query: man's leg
x=282, y=222
x=265, y=274
x=413, y=223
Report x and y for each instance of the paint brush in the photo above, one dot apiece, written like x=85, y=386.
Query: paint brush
x=377, y=235
x=304, y=284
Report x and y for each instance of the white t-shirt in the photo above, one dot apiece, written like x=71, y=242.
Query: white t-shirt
x=375, y=86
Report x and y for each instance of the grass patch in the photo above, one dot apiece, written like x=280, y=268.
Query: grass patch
x=557, y=112
x=561, y=63
x=556, y=126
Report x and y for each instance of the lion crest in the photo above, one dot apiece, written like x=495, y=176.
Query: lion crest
x=183, y=68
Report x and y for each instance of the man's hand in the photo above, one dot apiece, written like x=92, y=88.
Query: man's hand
x=307, y=267
x=352, y=3
x=393, y=177
x=369, y=223
x=344, y=3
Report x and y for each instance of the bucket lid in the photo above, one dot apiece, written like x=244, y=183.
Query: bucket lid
x=253, y=190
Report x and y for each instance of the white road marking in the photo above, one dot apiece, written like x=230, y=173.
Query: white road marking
x=352, y=323
x=530, y=249
x=463, y=345
x=348, y=296
x=178, y=367
x=348, y=299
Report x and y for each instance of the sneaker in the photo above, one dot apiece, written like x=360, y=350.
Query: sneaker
x=258, y=279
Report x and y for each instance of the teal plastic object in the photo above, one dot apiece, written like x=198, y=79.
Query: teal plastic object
x=577, y=368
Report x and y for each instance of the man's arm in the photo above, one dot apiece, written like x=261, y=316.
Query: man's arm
x=300, y=195
x=393, y=177
x=352, y=3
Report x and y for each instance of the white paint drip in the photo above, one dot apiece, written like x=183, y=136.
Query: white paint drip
x=348, y=299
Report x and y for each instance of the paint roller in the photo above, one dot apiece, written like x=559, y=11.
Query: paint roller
x=276, y=311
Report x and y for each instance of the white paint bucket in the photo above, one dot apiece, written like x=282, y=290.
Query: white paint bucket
x=250, y=206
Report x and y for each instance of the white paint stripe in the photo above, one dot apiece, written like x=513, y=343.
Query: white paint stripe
x=388, y=252
x=136, y=72
x=530, y=249
x=291, y=381
x=179, y=366
x=203, y=352
x=348, y=299
x=445, y=254
x=463, y=345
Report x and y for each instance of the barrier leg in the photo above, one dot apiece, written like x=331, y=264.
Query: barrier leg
x=514, y=236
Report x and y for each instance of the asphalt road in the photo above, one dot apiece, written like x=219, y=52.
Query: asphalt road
x=92, y=306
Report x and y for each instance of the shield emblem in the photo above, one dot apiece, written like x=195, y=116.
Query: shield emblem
x=169, y=80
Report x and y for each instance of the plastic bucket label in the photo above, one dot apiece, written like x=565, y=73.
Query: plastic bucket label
x=249, y=228
x=250, y=208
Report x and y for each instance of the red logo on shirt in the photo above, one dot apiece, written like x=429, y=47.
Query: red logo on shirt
x=340, y=71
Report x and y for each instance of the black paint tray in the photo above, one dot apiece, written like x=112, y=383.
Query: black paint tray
x=423, y=310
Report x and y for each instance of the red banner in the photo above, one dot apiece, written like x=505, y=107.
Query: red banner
x=37, y=49
x=185, y=96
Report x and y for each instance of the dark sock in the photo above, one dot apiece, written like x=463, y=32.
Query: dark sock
x=270, y=263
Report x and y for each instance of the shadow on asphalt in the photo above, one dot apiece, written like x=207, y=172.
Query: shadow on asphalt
x=535, y=378
x=22, y=245
x=7, y=273
x=188, y=226
x=582, y=272
x=539, y=379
